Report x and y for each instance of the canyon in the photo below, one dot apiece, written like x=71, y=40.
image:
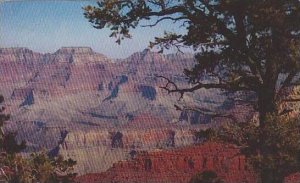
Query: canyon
x=72, y=101
x=102, y=111
x=178, y=165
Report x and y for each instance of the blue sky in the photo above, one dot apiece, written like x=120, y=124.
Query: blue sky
x=45, y=26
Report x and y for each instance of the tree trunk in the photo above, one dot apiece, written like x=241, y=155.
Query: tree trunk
x=266, y=106
x=271, y=177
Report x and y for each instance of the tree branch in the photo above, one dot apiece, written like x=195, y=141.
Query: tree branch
x=205, y=111
x=199, y=85
x=164, y=18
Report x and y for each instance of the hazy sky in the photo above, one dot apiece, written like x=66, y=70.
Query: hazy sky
x=45, y=26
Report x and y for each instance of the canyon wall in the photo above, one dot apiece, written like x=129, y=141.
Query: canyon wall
x=97, y=150
x=113, y=108
x=178, y=166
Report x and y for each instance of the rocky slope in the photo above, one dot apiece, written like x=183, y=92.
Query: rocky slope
x=84, y=93
x=177, y=166
x=83, y=105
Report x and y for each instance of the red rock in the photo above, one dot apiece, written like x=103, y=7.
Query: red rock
x=178, y=166
x=146, y=121
x=294, y=178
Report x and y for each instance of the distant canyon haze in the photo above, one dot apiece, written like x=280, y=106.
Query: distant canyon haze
x=95, y=109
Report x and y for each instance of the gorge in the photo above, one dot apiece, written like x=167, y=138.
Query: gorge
x=102, y=112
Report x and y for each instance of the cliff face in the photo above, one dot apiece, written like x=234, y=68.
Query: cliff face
x=108, y=107
x=129, y=138
x=107, y=146
x=147, y=63
x=19, y=55
x=76, y=69
x=178, y=166
x=77, y=55
x=17, y=66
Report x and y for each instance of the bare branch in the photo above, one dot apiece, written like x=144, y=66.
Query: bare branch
x=291, y=100
x=199, y=85
x=164, y=18
x=205, y=111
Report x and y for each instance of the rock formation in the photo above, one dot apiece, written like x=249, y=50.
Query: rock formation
x=178, y=166
x=89, y=95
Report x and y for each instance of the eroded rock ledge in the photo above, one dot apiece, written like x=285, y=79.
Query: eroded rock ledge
x=178, y=166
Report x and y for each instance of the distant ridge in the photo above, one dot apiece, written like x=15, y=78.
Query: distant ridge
x=75, y=50
x=88, y=50
x=14, y=50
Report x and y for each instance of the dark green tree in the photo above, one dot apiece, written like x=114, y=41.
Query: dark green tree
x=8, y=142
x=38, y=168
x=242, y=46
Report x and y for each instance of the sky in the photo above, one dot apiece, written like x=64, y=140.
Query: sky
x=45, y=26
